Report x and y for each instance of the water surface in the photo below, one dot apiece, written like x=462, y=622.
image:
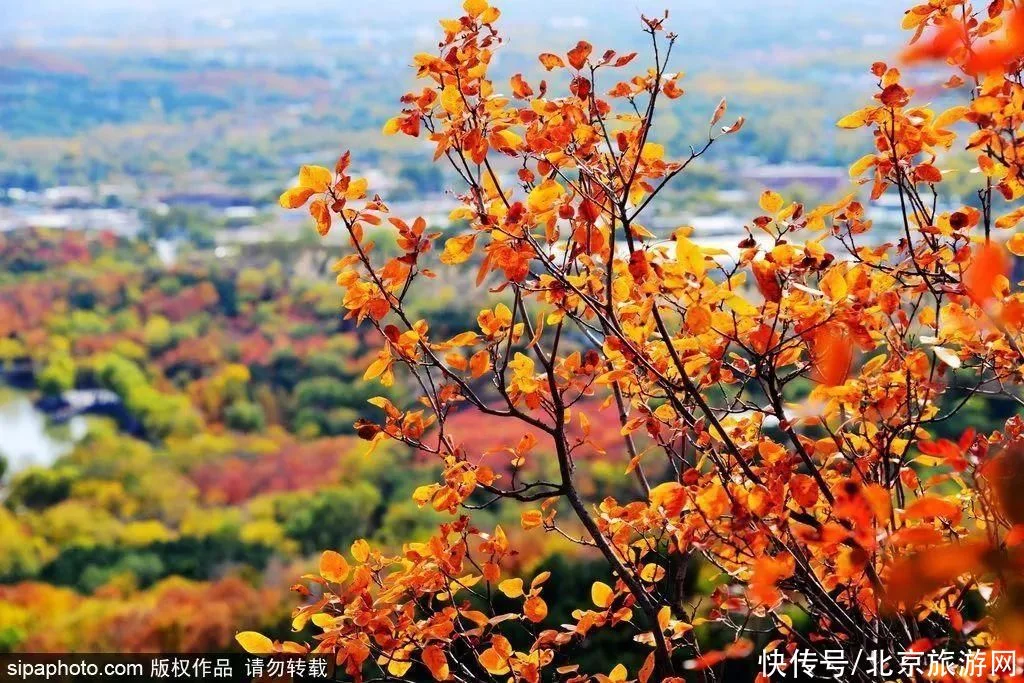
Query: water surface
x=26, y=437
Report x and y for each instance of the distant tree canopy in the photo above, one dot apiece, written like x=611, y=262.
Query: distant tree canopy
x=425, y=179
x=211, y=475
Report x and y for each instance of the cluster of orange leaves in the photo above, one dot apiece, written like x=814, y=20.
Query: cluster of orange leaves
x=845, y=503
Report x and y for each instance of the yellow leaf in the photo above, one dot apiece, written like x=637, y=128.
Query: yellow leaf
x=861, y=165
x=950, y=116
x=551, y=61
x=376, y=368
x=300, y=620
x=458, y=249
x=987, y=105
x=333, y=566
x=255, y=643
x=854, y=120
x=652, y=573
x=664, y=617
x=391, y=127
x=463, y=339
x=295, y=197
x=741, y=306
x=478, y=618
x=512, y=588
x=770, y=202
x=618, y=674
x=912, y=19
x=510, y=139
x=323, y=620
x=543, y=197
x=601, y=594
x=475, y=8
x=834, y=283
x=316, y=178
x=689, y=255
x=360, y=550
x=451, y=100
x=424, y=493
x=356, y=189
x=652, y=151
x=399, y=667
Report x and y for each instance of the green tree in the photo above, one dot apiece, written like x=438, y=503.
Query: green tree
x=330, y=518
x=245, y=416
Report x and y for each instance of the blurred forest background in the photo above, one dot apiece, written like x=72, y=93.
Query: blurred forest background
x=178, y=387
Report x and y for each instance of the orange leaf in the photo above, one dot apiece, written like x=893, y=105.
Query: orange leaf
x=474, y=8
x=493, y=662
x=832, y=353
x=1005, y=472
x=949, y=35
x=531, y=519
x=322, y=215
x=804, y=489
x=915, y=576
x=520, y=88
x=706, y=660
x=768, y=572
x=1016, y=244
x=765, y=273
x=916, y=535
x=646, y=670
x=988, y=265
x=698, y=319
x=928, y=173
x=578, y=55
x=535, y=609
x=435, y=660
x=333, y=566
x=479, y=363
x=551, y=61
x=295, y=197
x=930, y=507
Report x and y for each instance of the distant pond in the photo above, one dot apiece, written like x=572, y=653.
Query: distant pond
x=26, y=436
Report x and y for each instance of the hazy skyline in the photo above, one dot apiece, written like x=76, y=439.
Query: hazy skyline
x=52, y=20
